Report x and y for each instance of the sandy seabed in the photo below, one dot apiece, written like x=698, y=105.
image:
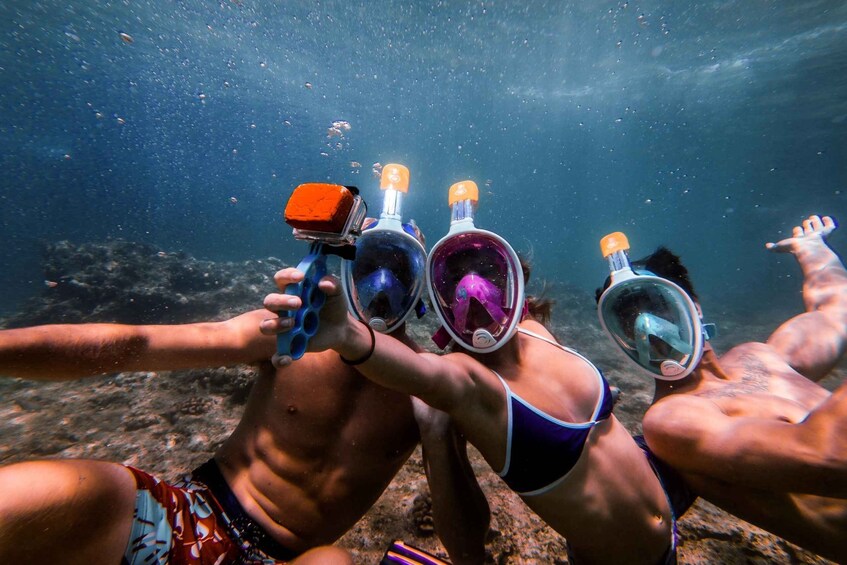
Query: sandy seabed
x=167, y=423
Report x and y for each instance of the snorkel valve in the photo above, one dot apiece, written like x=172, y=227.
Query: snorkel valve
x=394, y=182
x=330, y=216
x=463, y=199
x=614, y=247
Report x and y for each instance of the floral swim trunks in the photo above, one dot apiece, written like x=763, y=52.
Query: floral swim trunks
x=197, y=520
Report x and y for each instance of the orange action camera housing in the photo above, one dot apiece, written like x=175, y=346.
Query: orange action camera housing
x=319, y=207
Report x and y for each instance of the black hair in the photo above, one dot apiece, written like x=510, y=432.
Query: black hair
x=663, y=263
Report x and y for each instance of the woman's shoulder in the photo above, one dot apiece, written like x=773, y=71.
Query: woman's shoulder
x=536, y=327
x=571, y=362
x=534, y=330
x=481, y=385
x=467, y=363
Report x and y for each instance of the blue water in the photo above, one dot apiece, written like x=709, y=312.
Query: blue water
x=711, y=126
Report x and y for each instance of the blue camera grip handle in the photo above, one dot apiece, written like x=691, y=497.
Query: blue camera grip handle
x=294, y=342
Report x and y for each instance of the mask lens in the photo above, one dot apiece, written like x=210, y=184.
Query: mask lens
x=651, y=322
x=387, y=276
x=474, y=285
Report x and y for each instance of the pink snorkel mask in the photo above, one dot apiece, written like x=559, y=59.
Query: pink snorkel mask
x=475, y=280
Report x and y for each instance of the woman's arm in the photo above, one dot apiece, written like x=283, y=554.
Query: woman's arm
x=70, y=351
x=436, y=379
x=443, y=382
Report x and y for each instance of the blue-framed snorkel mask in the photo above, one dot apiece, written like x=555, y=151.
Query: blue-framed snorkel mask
x=384, y=283
x=650, y=318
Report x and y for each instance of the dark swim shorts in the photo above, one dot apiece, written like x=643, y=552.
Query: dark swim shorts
x=197, y=520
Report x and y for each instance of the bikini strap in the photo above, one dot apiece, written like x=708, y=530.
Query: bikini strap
x=550, y=341
x=599, y=406
x=508, y=460
x=502, y=380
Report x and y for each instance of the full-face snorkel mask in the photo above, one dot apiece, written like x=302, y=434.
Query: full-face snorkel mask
x=651, y=319
x=475, y=280
x=384, y=283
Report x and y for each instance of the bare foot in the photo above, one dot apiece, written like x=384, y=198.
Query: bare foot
x=813, y=231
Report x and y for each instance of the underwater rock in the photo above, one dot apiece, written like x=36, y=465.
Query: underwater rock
x=132, y=422
x=134, y=283
x=422, y=515
x=233, y=382
x=195, y=406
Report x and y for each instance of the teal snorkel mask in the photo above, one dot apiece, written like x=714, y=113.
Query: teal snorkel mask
x=650, y=318
x=384, y=283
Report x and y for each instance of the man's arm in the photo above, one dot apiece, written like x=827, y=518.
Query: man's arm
x=813, y=342
x=459, y=507
x=62, y=352
x=695, y=436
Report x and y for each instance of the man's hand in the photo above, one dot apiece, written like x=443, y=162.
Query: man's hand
x=814, y=229
x=333, y=315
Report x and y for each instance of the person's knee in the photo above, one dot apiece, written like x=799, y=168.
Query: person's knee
x=326, y=555
x=49, y=506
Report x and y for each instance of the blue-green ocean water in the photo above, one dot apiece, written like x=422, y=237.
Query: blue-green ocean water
x=711, y=126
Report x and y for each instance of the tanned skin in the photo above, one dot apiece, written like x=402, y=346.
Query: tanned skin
x=316, y=446
x=611, y=488
x=753, y=432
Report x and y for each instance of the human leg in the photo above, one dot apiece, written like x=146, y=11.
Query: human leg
x=65, y=511
x=325, y=555
x=813, y=342
x=459, y=506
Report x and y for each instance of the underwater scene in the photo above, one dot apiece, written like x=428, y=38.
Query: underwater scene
x=148, y=149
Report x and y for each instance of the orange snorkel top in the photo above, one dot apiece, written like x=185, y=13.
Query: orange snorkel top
x=614, y=242
x=614, y=247
x=394, y=182
x=463, y=198
x=394, y=177
x=464, y=190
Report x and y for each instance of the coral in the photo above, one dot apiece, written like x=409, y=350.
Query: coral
x=195, y=406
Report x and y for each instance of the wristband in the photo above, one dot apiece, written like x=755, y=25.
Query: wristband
x=364, y=357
